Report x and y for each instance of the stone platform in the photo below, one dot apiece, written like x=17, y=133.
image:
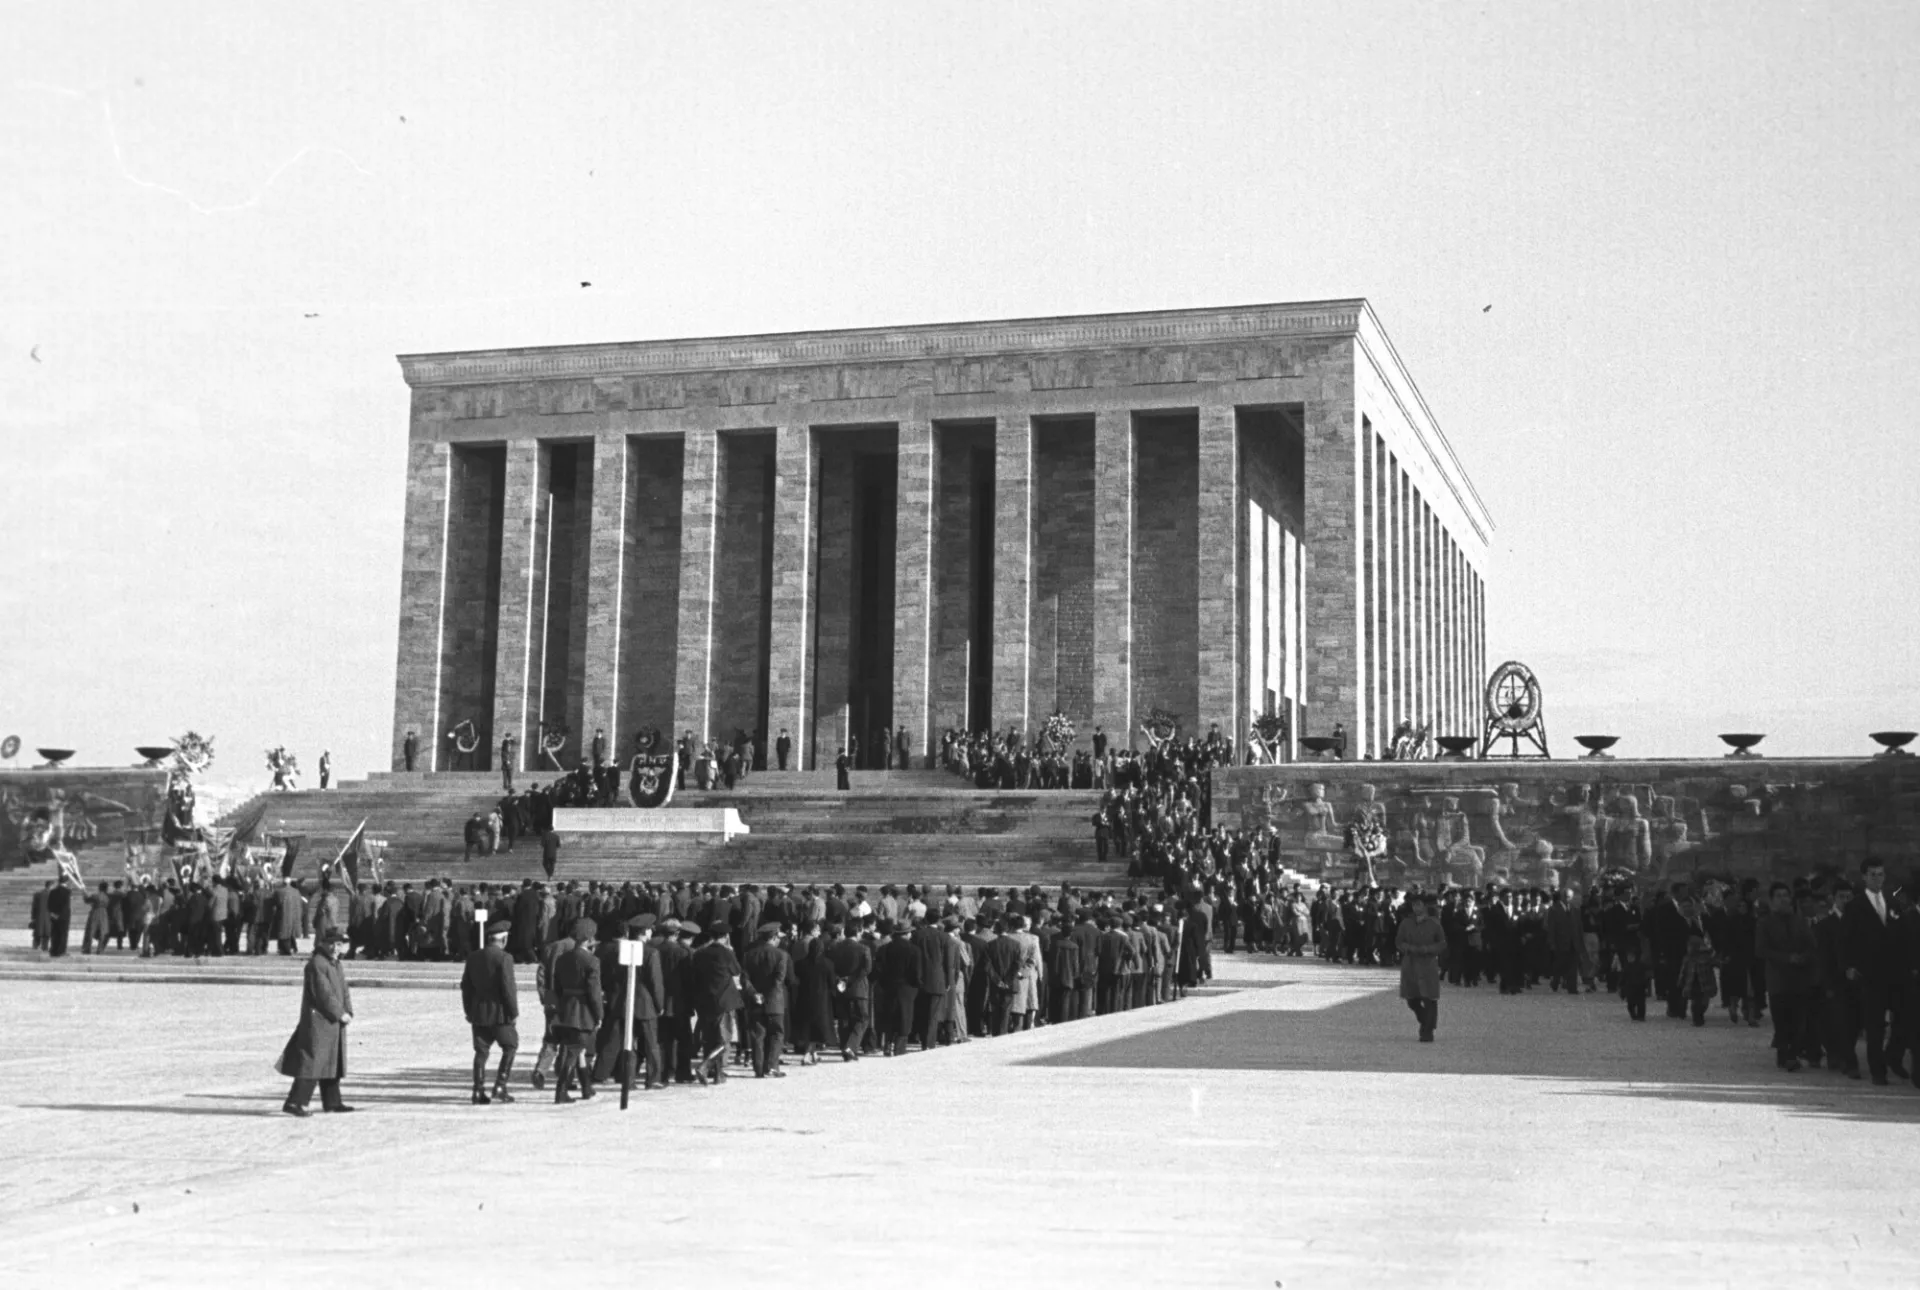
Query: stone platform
x=578, y=824
x=1282, y=1129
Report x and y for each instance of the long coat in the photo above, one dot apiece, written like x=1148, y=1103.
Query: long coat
x=289, y=912
x=812, y=1011
x=1420, y=942
x=318, y=1046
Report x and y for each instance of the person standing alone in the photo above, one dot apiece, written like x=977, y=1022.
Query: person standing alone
x=316, y=1052
x=1420, y=941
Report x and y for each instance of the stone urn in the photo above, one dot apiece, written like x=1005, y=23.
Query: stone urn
x=154, y=754
x=1742, y=745
x=54, y=756
x=1317, y=745
x=1597, y=745
x=1893, y=743
x=1454, y=747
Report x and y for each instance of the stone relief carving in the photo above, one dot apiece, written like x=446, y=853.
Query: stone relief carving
x=1539, y=830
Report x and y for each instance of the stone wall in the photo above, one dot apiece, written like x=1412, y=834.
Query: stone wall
x=1166, y=551
x=469, y=630
x=1545, y=822
x=1061, y=647
x=833, y=598
x=650, y=591
x=95, y=809
x=743, y=588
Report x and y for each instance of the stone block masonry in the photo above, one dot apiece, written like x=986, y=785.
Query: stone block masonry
x=1204, y=510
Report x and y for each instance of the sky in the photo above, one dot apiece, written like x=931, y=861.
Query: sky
x=1654, y=267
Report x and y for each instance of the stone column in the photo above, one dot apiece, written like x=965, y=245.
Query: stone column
x=790, y=654
x=606, y=581
x=1012, y=569
x=516, y=681
x=423, y=582
x=913, y=574
x=701, y=487
x=1113, y=577
x=1218, y=574
x=1334, y=652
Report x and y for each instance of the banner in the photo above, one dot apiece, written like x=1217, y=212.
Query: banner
x=352, y=854
x=293, y=853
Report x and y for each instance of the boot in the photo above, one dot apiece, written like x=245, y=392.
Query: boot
x=480, y=1079
x=563, y=1075
x=500, y=1093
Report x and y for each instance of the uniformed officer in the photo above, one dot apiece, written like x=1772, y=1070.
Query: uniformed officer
x=578, y=1007
x=491, y=998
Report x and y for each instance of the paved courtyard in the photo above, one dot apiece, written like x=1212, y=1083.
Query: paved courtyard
x=1281, y=1130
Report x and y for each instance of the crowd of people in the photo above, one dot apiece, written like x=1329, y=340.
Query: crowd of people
x=744, y=978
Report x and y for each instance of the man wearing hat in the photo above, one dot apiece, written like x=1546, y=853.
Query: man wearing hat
x=768, y=969
x=578, y=1007
x=714, y=984
x=316, y=1053
x=491, y=998
x=675, y=946
x=649, y=998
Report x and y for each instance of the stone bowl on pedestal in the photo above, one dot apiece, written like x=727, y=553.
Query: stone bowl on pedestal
x=1893, y=743
x=1454, y=747
x=1742, y=745
x=1318, y=745
x=1597, y=745
x=54, y=756
x=154, y=754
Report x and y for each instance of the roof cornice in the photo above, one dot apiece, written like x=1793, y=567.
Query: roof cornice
x=1329, y=318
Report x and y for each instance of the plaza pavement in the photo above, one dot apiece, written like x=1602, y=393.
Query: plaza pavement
x=1282, y=1129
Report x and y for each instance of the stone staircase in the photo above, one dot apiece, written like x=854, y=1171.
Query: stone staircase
x=897, y=826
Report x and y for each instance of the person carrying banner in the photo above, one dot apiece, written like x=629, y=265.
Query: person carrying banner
x=316, y=1052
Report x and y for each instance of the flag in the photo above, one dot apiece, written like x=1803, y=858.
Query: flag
x=293, y=853
x=353, y=853
x=246, y=831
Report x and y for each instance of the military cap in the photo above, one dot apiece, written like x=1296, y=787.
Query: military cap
x=640, y=922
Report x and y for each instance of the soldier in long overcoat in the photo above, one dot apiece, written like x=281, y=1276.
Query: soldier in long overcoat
x=316, y=1053
x=1421, y=941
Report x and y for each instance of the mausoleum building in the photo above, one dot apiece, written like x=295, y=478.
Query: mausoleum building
x=1214, y=513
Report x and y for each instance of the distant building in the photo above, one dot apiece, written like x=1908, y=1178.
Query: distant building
x=1216, y=512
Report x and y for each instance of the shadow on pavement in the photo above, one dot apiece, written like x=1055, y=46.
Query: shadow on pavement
x=1540, y=1039
x=260, y=1108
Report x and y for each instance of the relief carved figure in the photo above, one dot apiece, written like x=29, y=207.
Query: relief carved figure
x=1454, y=844
x=1626, y=839
x=1666, y=837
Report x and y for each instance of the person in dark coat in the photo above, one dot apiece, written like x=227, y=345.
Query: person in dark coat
x=841, y=765
x=853, y=990
x=1000, y=964
x=316, y=1052
x=895, y=988
x=676, y=1015
x=289, y=914
x=649, y=999
x=59, y=917
x=714, y=984
x=1869, y=960
x=1420, y=942
x=768, y=969
x=491, y=999
x=526, y=924
x=1063, y=976
x=578, y=1007
x=816, y=983
x=930, y=979
x=37, y=916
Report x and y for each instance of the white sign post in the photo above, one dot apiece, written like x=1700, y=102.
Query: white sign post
x=631, y=953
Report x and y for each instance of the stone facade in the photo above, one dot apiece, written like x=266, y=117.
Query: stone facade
x=1210, y=512
x=1553, y=822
